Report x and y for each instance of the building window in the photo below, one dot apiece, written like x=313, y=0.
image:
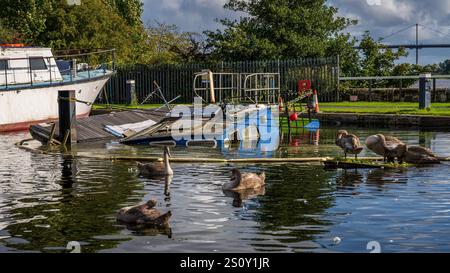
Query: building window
x=37, y=64
x=3, y=65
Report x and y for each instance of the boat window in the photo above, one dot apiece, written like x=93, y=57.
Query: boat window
x=37, y=64
x=3, y=65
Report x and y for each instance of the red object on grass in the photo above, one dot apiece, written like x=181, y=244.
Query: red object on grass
x=293, y=117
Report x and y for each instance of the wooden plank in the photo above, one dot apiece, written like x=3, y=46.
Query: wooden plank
x=91, y=128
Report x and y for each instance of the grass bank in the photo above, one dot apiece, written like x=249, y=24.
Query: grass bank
x=399, y=108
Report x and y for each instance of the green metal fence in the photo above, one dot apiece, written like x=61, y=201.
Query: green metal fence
x=177, y=79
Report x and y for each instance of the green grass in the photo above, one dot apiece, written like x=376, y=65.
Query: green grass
x=371, y=162
x=399, y=108
x=360, y=107
x=125, y=107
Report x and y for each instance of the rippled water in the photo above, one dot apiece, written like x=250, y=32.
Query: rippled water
x=47, y=201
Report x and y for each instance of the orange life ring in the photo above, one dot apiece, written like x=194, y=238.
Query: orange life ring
x=12, y=45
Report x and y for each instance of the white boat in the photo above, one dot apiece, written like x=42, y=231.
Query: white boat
x=30, y=78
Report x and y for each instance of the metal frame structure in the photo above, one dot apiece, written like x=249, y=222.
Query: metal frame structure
x=237, y=87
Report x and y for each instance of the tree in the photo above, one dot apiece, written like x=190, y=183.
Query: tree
x=27, y=17
x=7, y=35
x=378, y=60
x=130, y=10
x=283, y=29
x=168, y=45
x=93, y=24
x=444, y=67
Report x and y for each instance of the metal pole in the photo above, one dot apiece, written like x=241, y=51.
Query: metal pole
x=74, y=68
x=29, y=70
x=6, y=74
x=50, y=68
x=401, y=89
x=113, y=59
x=434, y=89
x=417, y=44
x=211, y=87
x=338, y=80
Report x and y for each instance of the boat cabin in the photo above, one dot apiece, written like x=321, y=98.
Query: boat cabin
x=27, y=65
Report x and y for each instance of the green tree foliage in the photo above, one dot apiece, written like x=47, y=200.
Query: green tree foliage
x=97, y=24
x=444, y=67
x=7, y=35
x=168, y=45
x=130, y=10
x=93, y=24
x=26, y=17
x=282, y=29
x=377, y=59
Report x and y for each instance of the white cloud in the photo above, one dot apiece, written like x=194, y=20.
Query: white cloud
x=189, y=15
x=381, y=20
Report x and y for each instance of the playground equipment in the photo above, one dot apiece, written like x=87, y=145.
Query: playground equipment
x=292, y=106
x=237, y=88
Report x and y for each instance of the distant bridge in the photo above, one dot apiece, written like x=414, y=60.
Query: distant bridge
x=415, y=46
x=409, y=46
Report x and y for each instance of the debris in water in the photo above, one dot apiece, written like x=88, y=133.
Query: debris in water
x=336, y=240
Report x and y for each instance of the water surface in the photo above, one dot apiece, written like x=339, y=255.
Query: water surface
x=47, y=201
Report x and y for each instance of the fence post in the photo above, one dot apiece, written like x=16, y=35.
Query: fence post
x=67, y=117
x=434, y=89
x=424, y=91
x=131, y=92
x=338, y=79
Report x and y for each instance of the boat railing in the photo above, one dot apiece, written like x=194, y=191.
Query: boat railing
x=237, y=87
x=262, y=87
x=32, y=70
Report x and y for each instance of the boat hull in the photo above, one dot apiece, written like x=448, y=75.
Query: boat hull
x=20, y=108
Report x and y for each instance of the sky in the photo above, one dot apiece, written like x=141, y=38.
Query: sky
x=380, y=17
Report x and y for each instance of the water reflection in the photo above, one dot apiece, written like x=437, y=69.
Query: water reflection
x=77, y=210
x=295, y=198
x=69, y=172
x=380, y=176
x=242, y=195
x=47, y=201
x=349, y=178
x=167, y=181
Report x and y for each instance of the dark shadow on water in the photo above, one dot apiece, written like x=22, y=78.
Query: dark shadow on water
x=69, y=171
x=296, y=197
x=85, y=209
x=349, y=178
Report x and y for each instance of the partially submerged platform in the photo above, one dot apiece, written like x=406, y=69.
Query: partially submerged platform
x=91, y=128
x=366, y=163
x=385, y=120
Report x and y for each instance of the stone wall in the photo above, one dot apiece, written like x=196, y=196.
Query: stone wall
x=395, y=94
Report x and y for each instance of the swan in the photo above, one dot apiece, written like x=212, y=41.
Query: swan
x=242, y=181
x=420, y=155
x=157, y=168
x=143, y=214
x=388, y=146
x=349, y=143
